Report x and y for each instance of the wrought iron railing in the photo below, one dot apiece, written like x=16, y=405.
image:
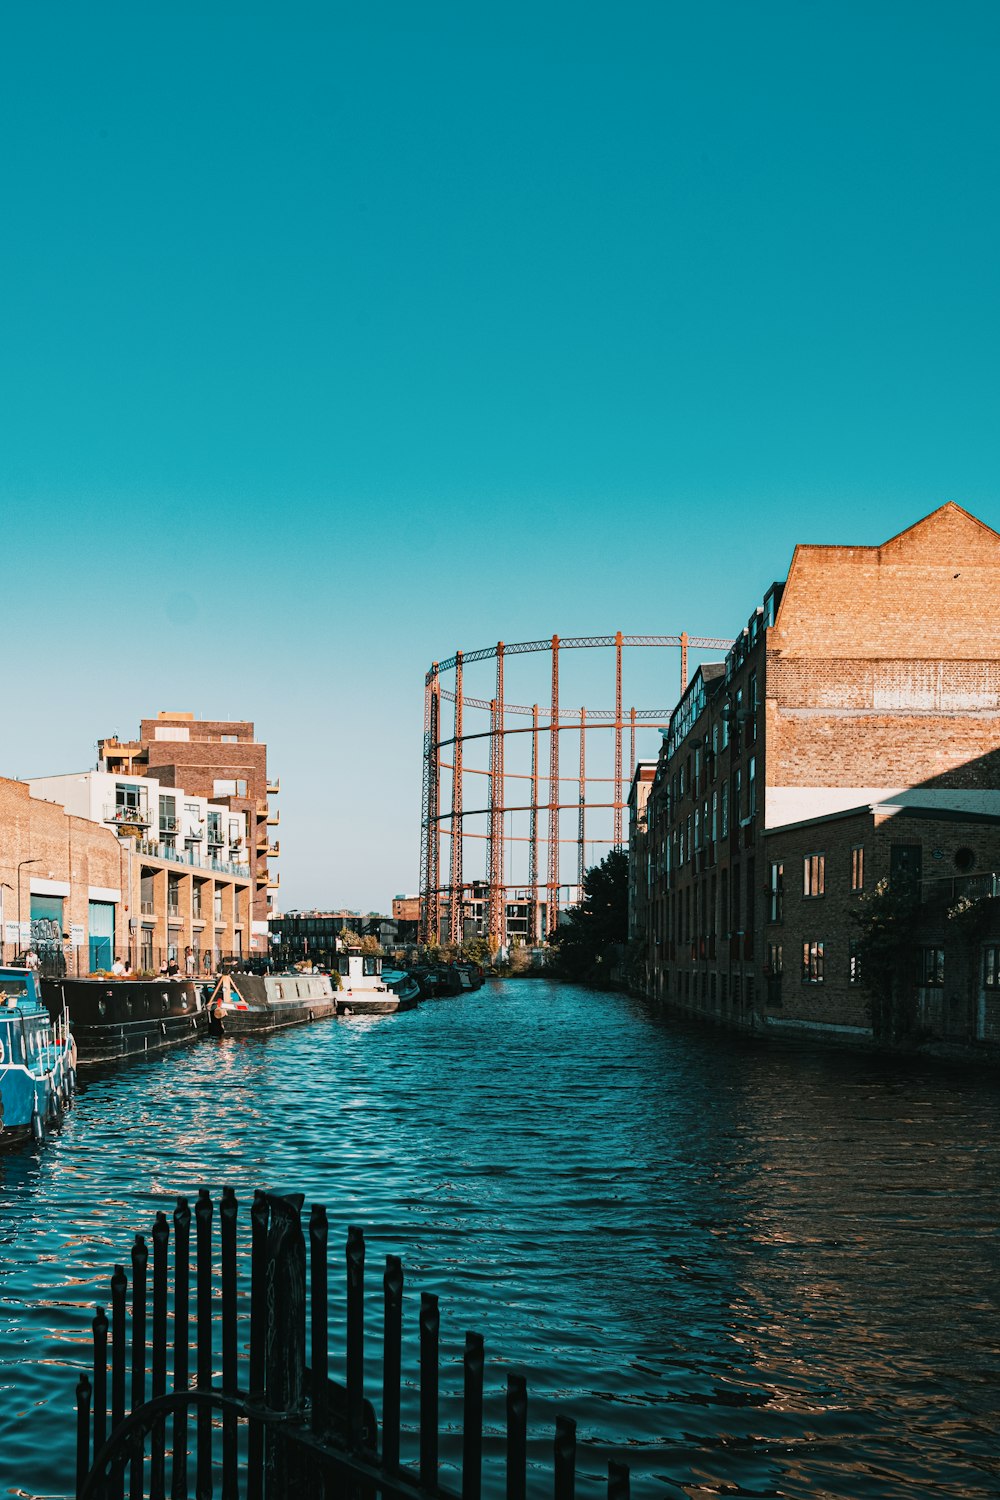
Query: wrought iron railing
x=271, y=1424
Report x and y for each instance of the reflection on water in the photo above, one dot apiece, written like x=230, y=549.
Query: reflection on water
x=768, y=1273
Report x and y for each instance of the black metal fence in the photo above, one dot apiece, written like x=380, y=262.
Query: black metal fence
x=248, y=1406
x=64, y=961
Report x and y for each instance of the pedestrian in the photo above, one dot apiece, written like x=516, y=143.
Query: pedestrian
x=32, y=961
x=190, y=963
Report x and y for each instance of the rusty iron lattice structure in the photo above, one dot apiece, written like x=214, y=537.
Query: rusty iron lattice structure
x=443, y=904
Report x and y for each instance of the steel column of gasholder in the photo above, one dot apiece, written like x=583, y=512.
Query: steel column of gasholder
x=619, y=799
x=491, y=822
x=533, y=830
x=581, y=828
x=631, y=745
x=497, y=911
x=455, y=923
x=425, y=813
x=430, y=828
x=552, y=884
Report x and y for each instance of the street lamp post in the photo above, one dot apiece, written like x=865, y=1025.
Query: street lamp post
x=20, y=867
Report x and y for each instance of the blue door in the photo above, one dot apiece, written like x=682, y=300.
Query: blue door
x=101, y=926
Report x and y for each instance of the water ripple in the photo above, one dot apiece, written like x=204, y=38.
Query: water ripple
x=753, y=1272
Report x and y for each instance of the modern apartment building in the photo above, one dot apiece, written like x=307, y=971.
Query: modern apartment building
x=185, y=880
x=852, y=735
x=216, y=759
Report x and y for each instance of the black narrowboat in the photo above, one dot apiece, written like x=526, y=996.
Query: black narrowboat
x=112, y=1019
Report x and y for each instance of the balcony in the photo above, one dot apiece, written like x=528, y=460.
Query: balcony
x=273, y=788
x=274, y=850
x=273, y=882
x=169, y=826
x=262, y=839
x=130, y=817
x=273, y=819
x=194, y=836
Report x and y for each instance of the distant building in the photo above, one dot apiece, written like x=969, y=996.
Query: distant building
x=313, y=935
x=406, y=908
x=852, y=735
x=211, y=758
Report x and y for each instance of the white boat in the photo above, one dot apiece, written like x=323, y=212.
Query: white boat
x=364, y=991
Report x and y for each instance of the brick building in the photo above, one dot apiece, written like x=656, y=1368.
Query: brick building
x=217, y=759
x=855, y=724
x=80, y=892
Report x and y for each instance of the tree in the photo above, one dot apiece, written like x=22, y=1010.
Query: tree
x=889, y=919
x=581, y=942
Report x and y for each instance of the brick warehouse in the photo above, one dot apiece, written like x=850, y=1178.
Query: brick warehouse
x=851, y=735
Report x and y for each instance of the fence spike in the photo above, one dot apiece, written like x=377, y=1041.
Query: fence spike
x=517, y=1437
x=355, y=1336
x=392, y=1346
x=564, y=1449
x=319, y=1234
x=160, y=1237
x=472, y=1418
x=82, y=1431
x=618, y=1481
x=228, y=1211
x=430, y=1329
x=203, y=1214
x=182, y=1317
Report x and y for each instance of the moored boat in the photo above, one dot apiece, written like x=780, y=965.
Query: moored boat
x=364, y=991
x=37, y=1060
x=252, y=1004
x=113, y=1019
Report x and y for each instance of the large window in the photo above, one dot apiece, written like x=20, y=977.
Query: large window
x=991, y=967
x=776, y=892
x=930, y=968
x=812, y=962
x=854, y=960
x=858, y=867
x=814, y=875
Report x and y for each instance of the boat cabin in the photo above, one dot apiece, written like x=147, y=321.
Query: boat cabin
x=354, y=965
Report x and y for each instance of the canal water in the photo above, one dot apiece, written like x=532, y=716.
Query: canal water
x=742, y=1270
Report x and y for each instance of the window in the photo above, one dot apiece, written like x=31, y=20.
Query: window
x=218, y=904
x=854, y=961
x=173, y=895
x=725, y=809
x=737, y=795
x=752, y=702
x=196, y=898
x=715, y=816
x=858, y=867
x=164, y=732
x=229, y=739
x=905, y=867
x=776, y=892
x=814, y=875
x=752, y=786
x=774, y=958
x=930, y=968
x=812, y=962
x=991, y=967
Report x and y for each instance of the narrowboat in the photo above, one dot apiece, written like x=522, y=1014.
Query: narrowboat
x=37, y=1060
x=364, y=991
x=115, y=1019
x=250, y=1004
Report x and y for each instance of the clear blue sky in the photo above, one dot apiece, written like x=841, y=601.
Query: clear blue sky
x=335, y=337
